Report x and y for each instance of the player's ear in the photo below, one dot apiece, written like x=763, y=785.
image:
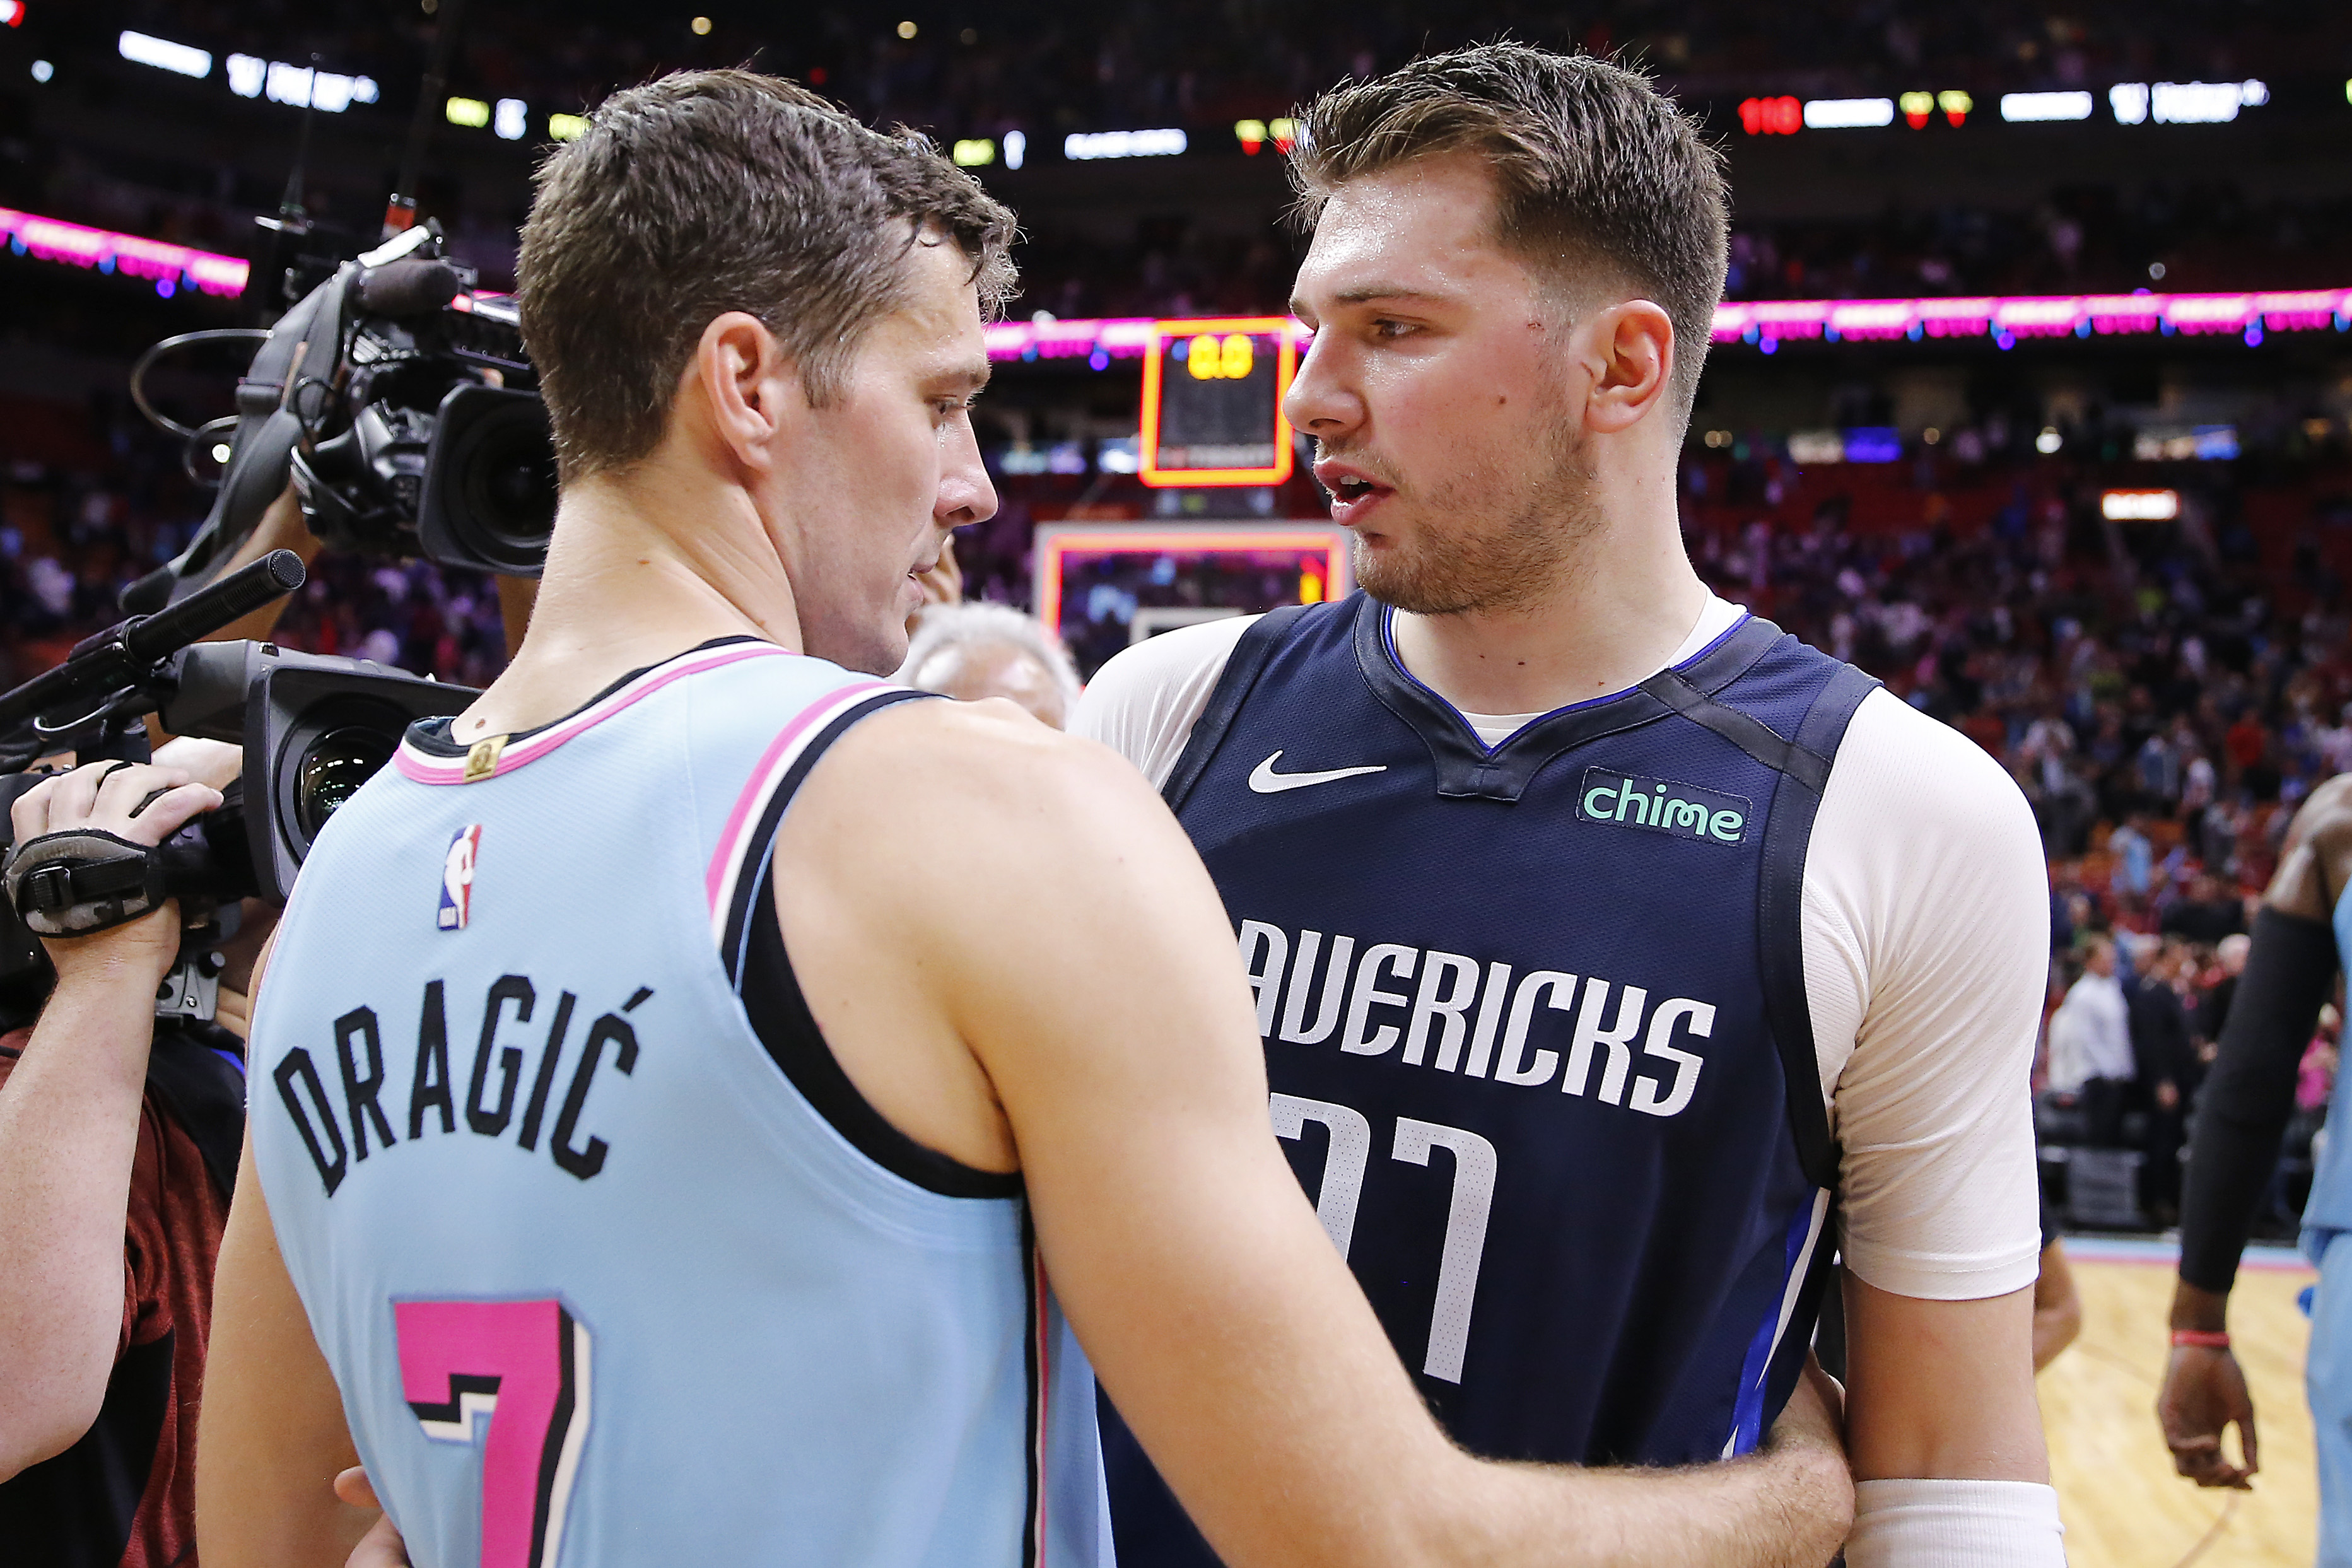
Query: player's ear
x=1631, y=344
x=741, y=387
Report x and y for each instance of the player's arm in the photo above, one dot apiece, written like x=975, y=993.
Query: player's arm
x=1084, y=958
x=271, y=1437
x=2241, y=1117
x=2057, y=1308
x=69, y=1124
x=1929, y=858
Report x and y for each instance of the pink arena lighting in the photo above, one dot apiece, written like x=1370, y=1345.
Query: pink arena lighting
x=2003, y=318
x=167, y=265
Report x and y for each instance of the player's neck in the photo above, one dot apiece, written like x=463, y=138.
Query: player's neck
x=1613, y=618
x=640, y=569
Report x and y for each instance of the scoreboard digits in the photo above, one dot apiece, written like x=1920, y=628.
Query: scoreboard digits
x=1212, y=396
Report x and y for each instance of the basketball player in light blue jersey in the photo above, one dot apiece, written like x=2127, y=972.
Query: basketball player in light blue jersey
x=643, y=1173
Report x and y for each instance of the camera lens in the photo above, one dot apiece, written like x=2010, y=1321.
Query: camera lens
x=490, y=497
x=334, y=765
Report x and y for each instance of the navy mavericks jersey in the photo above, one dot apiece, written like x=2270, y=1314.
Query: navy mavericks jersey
x=1536, y=1027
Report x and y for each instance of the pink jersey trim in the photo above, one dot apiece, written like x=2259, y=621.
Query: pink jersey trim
x=430, y=769
x=724, y=860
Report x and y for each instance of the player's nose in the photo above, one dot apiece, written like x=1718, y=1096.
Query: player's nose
x=1323, y=401
x=967, y=495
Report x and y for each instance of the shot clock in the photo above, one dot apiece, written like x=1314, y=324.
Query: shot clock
x=1212, y=403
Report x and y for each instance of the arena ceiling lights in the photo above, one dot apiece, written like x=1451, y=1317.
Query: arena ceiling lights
x=2140, y=506
x=2131, y=102
x=2032, y=108
x=180, y=59
x=248, y=76
x=2184, y=102
x=1086, y=146
x=1848, y=113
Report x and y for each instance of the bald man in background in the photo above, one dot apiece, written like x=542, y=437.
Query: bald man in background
x=972, y=651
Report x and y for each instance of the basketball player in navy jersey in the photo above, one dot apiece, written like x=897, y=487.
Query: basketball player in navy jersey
x=643, y=1172
x=1618, y=959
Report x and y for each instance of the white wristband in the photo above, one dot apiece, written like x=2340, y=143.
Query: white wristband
x=1955, y=1524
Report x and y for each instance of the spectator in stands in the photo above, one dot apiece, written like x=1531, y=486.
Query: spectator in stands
x=2135, y=858
x=2213, y=1008
x=2314, y=1078
x=973, y=651
x=2206, y=914
x=2091, y=1061
x=2164, y=1055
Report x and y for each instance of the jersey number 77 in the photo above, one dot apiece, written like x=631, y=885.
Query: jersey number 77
x=513, y=1376
x=1465, y=1220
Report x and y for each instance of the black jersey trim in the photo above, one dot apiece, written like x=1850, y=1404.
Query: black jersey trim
x=761, y=972
x=760, y=843
x=1779, y=919
x=1036, y=1354
x=1745, y=730
x=431, y=735
x=1247, y=662
x=1467, y=769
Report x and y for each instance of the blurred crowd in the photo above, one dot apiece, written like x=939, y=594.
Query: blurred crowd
x=2165, y=694
x=72, y=536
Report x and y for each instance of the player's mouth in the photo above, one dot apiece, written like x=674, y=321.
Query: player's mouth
x=1354, y=492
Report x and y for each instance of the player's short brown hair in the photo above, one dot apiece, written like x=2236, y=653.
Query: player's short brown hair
x=706, y=192
x=1600, y=179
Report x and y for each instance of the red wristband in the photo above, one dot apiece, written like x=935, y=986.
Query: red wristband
x=2203, y=1339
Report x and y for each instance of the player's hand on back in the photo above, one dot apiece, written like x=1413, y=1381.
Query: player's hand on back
x=382, y=1546
x=1068, y=990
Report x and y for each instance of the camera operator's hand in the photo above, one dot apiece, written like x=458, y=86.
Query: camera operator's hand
x=110, y=797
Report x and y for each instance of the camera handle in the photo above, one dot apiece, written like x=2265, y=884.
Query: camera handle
x=124, y=672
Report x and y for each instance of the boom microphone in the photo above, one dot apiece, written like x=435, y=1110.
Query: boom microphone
x=411, y=286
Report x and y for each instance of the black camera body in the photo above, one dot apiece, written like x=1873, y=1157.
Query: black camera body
x=402, y=406
x=313, y=728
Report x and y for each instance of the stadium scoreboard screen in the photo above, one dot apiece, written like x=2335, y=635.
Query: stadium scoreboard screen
x=1104, y=588
x=1212, y=403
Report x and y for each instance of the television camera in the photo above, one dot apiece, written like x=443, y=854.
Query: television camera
x=401, y=404
x=313, y=729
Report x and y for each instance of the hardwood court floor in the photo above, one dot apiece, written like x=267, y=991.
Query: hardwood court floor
x=2123, y=1506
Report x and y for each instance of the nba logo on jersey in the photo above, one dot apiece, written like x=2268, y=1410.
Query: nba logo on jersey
x=458, y=878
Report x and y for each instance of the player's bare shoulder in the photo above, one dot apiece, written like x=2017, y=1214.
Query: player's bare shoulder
x=984, y=776
x=2315, y=861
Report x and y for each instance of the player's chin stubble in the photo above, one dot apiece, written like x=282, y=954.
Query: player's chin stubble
x=1489, y=540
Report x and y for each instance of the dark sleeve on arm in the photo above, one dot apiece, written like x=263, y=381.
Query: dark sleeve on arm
x=2241, y=1114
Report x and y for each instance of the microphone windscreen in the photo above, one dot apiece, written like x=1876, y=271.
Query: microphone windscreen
x=409, y=288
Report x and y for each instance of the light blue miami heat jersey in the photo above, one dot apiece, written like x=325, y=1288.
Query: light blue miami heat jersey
x=612, y=1263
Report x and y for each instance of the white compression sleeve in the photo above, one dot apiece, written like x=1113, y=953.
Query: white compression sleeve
x=1955, y=1524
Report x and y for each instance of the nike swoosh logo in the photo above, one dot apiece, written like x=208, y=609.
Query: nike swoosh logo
x=1266, y=781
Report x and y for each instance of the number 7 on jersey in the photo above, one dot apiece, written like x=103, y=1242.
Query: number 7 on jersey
x=520, y=1368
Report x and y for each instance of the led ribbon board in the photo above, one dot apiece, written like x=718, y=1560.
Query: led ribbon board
x=170, y=267
x=1212, y=396
x=1768, y=320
